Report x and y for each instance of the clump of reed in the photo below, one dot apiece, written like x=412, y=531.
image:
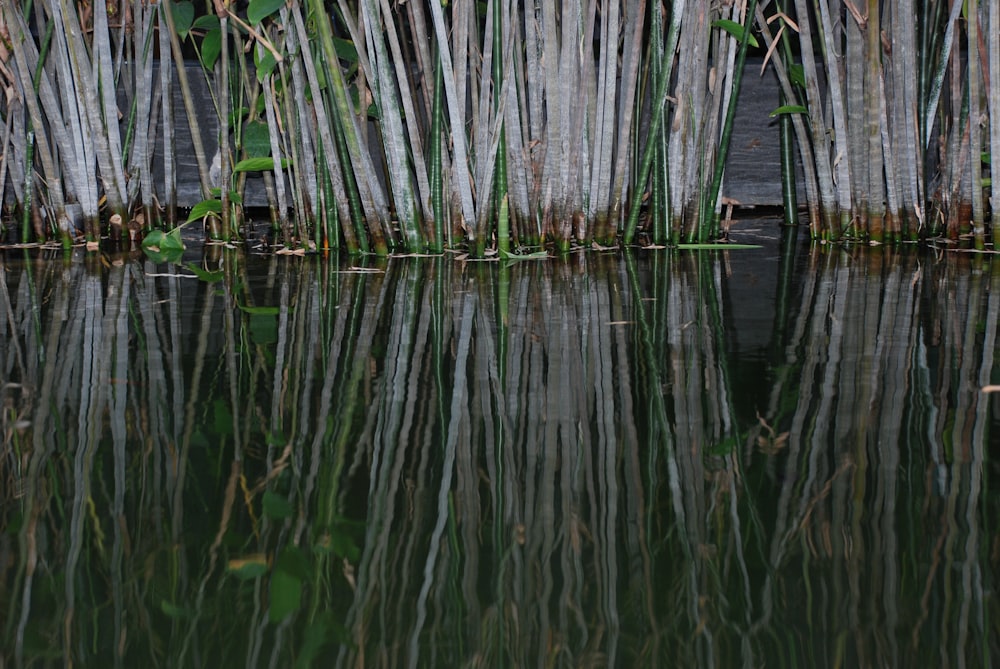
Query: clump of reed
x=894, y=145
x=374, y=126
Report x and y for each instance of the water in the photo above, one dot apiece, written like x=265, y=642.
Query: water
x=651, y=459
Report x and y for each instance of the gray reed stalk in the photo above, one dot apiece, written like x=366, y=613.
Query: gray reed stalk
x=993, y=45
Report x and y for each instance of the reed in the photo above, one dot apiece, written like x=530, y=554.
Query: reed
x=377, y=127
x=895, y=131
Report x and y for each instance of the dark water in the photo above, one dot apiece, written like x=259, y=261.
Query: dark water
x=651, y=459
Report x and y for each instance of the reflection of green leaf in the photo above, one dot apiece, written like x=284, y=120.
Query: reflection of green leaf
x=324, y=630
x=247, y=569
x=211, y=47
x=337, y=540
x=223, y=422
x=344, y=546
x=716, y=247
x=537, y=255
x=259, y=10
x=263, y=329
x=724, y=447
x=262, y=311
x=293, y=560
x=183, y=15
x=157, y=256
x=173, y=610
x=205, y=275
x=735, y=29
x=286, y=595
x=163, y=247
x=276, y=506
x=290, y=569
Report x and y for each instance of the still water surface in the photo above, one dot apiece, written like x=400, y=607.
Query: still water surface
x=641, y=460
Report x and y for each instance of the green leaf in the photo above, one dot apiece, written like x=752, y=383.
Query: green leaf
x=237, y=115
x=797, y=74
x=735, y=29
x=276, y=506
x=163, y=247
x=205, y=208
x=172, y=241
x=258, y=10
x=183, y=15
x=207, y=23
x=265, y=63
x=256, y=140
x=153, y=239
x=345, y=50
x=211, y=47
x=262, y=164
x=788, y=109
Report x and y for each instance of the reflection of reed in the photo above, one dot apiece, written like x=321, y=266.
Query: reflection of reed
x=882, y=425
x=517, y=516
x=441, y=464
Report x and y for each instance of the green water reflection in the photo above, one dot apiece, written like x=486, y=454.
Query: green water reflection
x=656, y=459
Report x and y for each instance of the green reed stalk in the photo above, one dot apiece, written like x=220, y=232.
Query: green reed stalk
x=789, y=193
x=351, y=191
x=223, y=94
x=373, y=203
x=659, y=103
x=503, y=228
